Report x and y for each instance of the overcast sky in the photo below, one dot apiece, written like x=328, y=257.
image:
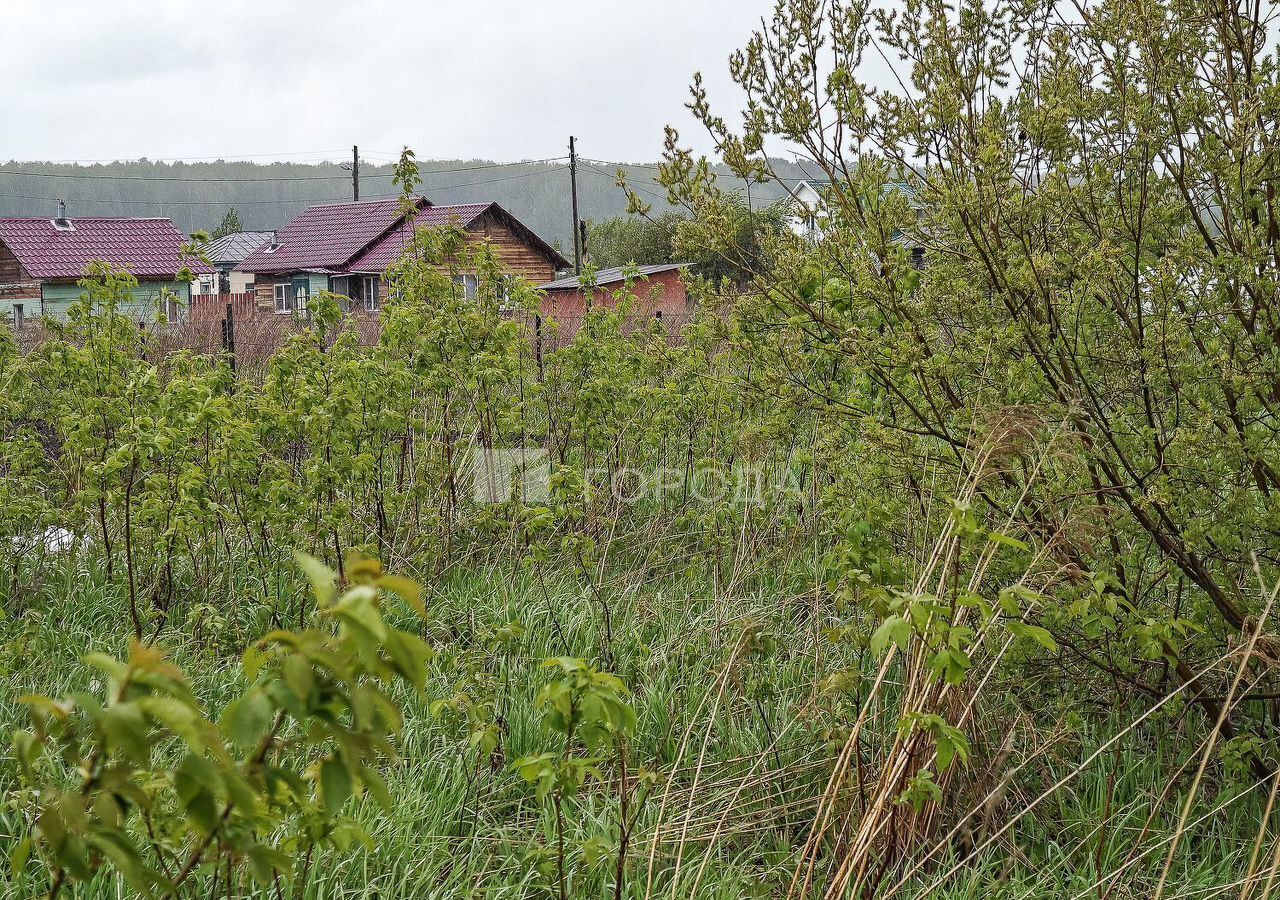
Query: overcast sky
x=492, y=79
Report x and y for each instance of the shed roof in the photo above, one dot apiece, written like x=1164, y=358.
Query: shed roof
x=613, y=275
x=146, y=248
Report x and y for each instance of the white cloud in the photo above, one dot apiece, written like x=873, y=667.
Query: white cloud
x=498, y=79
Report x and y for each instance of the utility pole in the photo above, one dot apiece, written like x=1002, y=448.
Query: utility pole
x=573, y=188
x=355, y=172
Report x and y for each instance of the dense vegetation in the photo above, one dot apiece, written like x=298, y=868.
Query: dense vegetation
x=935, y=559
x=747, y=231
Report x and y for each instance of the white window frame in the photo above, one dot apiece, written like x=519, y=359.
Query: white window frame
x=504, y=298
x=470, y=284
x=371, y=298
x=284, y=304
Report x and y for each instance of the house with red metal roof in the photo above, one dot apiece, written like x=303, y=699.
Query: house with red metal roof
x=347, y=248
x=41, y=261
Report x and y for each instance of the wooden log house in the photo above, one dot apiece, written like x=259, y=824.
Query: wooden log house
x=347, y=249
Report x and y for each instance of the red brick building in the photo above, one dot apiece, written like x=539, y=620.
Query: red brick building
x=659, y=290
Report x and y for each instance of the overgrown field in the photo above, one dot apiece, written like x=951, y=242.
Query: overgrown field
x=936, y=558
x=747, y=740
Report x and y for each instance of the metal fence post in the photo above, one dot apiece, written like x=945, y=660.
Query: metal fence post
x=229, y=335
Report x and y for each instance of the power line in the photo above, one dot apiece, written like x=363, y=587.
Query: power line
x=601, y=172
x=628, y=166
x=160, y=201
x=225, y=157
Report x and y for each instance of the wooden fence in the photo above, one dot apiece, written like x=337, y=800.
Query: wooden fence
x=213, y=307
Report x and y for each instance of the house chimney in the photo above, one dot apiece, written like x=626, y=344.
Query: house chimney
x=62, y=223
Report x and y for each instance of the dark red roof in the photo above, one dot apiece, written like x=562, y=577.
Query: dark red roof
x=325, y=238
x=147, y=248
x=378, y=258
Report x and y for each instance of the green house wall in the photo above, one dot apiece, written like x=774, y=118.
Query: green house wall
x=56, y=299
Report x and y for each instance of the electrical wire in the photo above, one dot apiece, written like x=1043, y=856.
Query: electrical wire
x=612, y=177
x=628, y=166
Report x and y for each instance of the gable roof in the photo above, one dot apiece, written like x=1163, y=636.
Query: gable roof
x=234, y=247
x=147, y=248
x=612, y=276
x=383, y=254
x=325, y=238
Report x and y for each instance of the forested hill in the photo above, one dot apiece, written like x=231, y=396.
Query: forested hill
x=196, y=195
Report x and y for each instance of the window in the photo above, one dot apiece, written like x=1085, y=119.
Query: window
x=340, y=287
x=284, y=304
x=18, y=316
x=470, y=284
x=371, y=293
x=300, y=298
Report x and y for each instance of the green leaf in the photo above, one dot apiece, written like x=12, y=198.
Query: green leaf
x=18, y=858
x=335, y=785
x=1033, y=632
x=179, y=718
x=115, y=669
x=408, y=590
x=358, y=608
x=377, y=786
x=323, y=580
x=266, y=862
x=126, y=730
x=894, y=630
x=247, y=719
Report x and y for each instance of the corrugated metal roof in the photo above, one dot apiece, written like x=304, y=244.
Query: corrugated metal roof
x=147, y=248
x=380, y=257
x=368, y=237
x=326, y=237
x=234, y=247
x=611, y=276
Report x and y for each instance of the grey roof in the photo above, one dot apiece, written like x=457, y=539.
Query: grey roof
x=235, y=246
x=612, y=276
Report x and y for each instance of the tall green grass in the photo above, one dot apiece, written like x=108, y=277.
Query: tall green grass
x=759, y=736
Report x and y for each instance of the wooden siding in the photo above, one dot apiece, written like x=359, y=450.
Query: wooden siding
x=264, y=287
x=517, y=255
x=16, y=286
x=514, y=252
x=57, y=297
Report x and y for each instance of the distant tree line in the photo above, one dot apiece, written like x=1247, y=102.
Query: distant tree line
x=197, y=196
x=666, y=237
